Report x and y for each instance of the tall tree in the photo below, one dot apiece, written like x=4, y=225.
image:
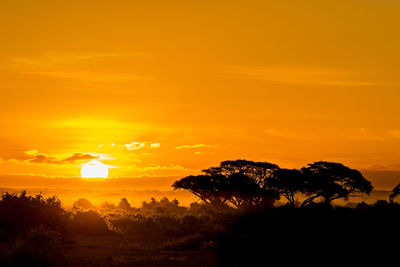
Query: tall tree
x=258, y=171
x=287, y=182
x=209, y=188
x=243, y=191
x=395, y=193
x=240, y=182
x=331, y=181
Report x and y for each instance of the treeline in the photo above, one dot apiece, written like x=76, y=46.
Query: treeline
x=246, y=184
x=38, y=231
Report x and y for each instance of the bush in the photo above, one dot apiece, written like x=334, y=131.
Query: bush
x=40, y=247
x=89, y=222
x=22, y=213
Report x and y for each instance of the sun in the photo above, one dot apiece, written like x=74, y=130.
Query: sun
x=94, y=169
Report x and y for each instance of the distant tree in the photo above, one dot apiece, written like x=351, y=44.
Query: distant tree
x=395, y=193
x=332, y=181
x=287, y=182
x=164, y=207
x=124, y=204
x=107, y=206
x=83, y=203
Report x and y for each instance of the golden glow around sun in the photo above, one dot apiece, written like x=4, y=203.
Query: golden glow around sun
x=94, y=169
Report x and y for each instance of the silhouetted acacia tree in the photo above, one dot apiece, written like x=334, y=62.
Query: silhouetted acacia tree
x=332, y=181
x=209, y=188
x=286, y=182
x=240, y=182
x=258, y=171
x=395, y=193
x=243, y=191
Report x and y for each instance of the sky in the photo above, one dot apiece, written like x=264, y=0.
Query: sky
x=164, y=89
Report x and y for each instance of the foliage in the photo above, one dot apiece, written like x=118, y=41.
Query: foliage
x=20, y=213
x=241, y=183
x=40, y=247
x=248, y=184
x=83, y=204
x=395, y=193
x=124, y=204
x=89, y=222
x=332, y=181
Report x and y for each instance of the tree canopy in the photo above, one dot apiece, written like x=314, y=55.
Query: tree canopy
x=248, y=183
x=331, y=181
x=395, y=193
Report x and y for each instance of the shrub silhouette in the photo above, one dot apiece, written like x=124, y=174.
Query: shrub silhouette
x=20, y=213
x=89, y=222
x=40, y=247
x=124, y=204
x=83, y=203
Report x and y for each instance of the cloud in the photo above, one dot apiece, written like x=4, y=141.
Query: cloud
x=288, y=134
x=395, y=133
x=298, y=76
x=79, y=156
x=280, y=133
x=155, y=145
x=34, y=156
x=88, y=76
x=73, y=65
x=362, y=134
x=184, y=147
x=170, y=167
x=134, y=145
x=57, y=58
x=32, y=152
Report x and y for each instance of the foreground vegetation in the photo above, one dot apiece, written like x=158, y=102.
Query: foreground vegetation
x=237, y=224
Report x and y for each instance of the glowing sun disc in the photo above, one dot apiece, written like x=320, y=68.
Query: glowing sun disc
x=94, y=169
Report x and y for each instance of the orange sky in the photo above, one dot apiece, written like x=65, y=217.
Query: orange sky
x=167, y=88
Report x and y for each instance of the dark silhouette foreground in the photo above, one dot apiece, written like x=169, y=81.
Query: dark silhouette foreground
x=237, y=223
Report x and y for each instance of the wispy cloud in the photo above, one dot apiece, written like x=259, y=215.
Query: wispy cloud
x=88, y=76
x=56, y=58
x=297, y=76
x=395, y=133
x=134, y=145
x=155, y=145
x=184, y=147
x=362, y=134
x=73, y=65
x=170, y=167
x=288, y=134
x=34, y=156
